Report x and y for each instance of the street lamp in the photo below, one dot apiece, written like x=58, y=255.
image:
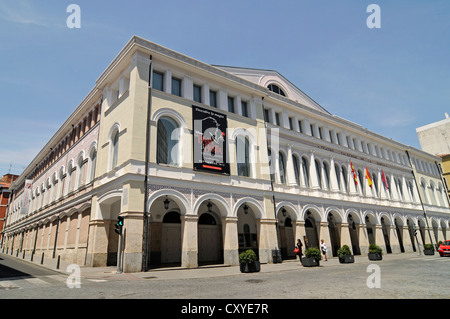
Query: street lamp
x=209, y=205
x=166, y=203
x=245, y=209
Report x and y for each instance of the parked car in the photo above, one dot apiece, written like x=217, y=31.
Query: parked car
x=444, y=248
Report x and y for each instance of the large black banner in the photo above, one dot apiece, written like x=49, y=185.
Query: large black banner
x=210, y=146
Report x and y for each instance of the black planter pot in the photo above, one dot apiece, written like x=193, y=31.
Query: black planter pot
x=375, y=256
x=310, y=262
x=347, y=259
x=428, y=252
x=250, y=267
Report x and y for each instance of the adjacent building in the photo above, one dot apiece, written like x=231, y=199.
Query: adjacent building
x=206, y=161
x=5, y=195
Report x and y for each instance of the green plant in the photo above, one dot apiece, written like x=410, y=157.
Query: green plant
x=428, y=246
x=373, y=249
x=247, y=257
x=313, y=252
x=344, y=251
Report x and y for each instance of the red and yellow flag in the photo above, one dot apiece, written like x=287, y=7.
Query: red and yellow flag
x=354, y=174
x=368, y=178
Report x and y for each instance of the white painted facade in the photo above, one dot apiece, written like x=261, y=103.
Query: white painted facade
x=174, y=214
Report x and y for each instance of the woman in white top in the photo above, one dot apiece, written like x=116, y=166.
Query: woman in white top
x=323, y=248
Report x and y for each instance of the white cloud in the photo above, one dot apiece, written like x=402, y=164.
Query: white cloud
x=22, y=12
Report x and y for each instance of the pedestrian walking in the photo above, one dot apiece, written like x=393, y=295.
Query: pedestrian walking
x=323, y=248
x=298, y=250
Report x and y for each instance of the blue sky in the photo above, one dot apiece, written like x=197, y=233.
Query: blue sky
x=390, y=80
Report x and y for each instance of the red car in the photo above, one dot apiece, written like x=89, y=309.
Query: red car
x=444, y=248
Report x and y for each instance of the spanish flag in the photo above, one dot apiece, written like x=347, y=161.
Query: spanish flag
x=354, y=174
x=368, y=178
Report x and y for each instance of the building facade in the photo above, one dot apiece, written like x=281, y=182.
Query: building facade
x=206, y=161
x=5, y=195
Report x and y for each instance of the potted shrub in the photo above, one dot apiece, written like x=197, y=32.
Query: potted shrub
x=248, y=262
x=312, y=257
x=375, y=252
x=345, y=255
x=428, y=249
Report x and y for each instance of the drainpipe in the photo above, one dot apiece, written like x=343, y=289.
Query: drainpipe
x=420, y=197
x=271, y=185
x=147, y=149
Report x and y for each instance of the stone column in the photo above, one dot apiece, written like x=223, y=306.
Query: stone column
x=363, y=239
x=345, y=236
x=97, y=254
x=189, y=244
x=267, y=239
x=132, y=241
x=230, y=240
x=379, y=238
x=406, y=237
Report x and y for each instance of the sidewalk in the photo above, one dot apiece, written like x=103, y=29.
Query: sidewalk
x=176, y=273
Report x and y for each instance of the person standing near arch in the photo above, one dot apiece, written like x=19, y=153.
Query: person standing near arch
x=323, y=248
x=299, y=246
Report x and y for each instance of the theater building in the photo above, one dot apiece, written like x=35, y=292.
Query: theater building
x=206, y=161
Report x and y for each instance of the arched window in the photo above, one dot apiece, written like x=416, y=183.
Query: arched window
x=167, y=142
x=69, y=179
x=375, y=184
x=319, y=173
x=114, y=148
x=93, y=160
x=296, y=163
x=326, y=170
x=305, y=171
x=337, y=171
x=344, y=178
x=207, y=219
x=361, y=181
x=243, y=156
x=282, y=167
x=81, y=165
x=276, y=89
x=272, y=169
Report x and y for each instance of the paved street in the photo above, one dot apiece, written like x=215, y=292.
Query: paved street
x=400, y=276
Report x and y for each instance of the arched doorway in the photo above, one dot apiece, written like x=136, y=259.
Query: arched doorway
x=286, y=233
x=398, y=228
x=411, y=234
x=370, y=223
x=422, y=230
x=385, y=230
x=171, y=239
x=354, y=235
x=247, y=229
x=311, y=239
x=334, y=234
x=210, y=247
x=110, y=210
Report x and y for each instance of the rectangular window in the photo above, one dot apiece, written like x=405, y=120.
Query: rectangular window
x=300, y=126
x=197, y=93
x=277, y=119
x=213, y=98
x=176, y=86
x=290, y=123
x=230, y=104
x=158, y=80
x=266, y=115
x=244, y=109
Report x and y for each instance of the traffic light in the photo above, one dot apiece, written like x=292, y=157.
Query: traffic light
x=119, y=225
